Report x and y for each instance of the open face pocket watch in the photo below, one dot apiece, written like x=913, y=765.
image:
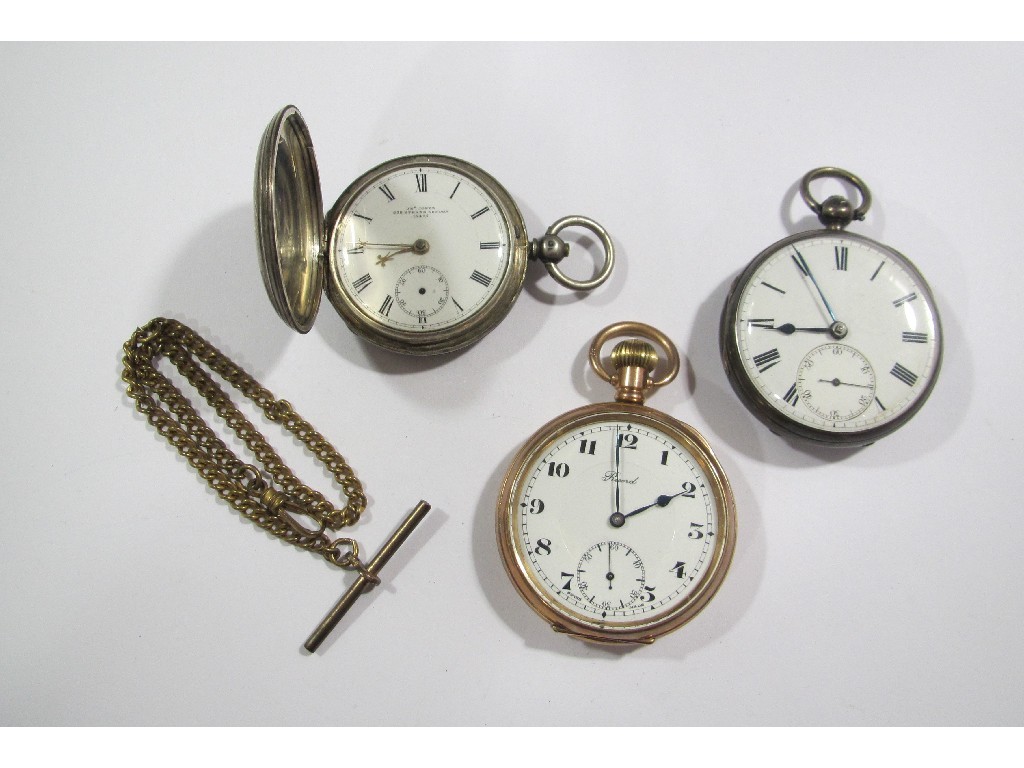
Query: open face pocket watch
x=615, y=522
x=423, y=254
x=830, y=336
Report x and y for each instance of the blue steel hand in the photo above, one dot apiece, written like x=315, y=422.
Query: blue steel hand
x=802, y=266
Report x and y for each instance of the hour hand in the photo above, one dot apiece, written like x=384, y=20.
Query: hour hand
x=789, y=329
x=420, y=246
x=618, y=519
x=837, y=330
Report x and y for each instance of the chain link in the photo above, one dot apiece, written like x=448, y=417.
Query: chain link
x=240, y=484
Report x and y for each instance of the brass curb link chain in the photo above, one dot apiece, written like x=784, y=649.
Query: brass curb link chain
x=271, y=498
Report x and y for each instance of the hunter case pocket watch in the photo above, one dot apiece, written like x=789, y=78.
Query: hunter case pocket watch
x=423, y=254
x=615, y=522
x=830, y=336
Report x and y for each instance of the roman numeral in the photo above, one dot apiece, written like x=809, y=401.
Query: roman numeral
x=362, y=282
x=489, y=246
x=481, y=278
x=904, y=375
x=769, y=285
x=905, y=299
x=915, y=338
x=481, y=212
x=421, y=182
x=766, y=360
x=762, y=322
x=385, y=307
x=791, y=396
x=387, y=192
x=841, y=254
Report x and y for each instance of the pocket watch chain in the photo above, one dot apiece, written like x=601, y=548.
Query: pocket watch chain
x=270, y=505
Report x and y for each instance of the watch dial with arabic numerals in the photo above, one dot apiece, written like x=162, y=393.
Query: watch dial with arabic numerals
x=620, y=521
x=420, y=248
x=797, y=373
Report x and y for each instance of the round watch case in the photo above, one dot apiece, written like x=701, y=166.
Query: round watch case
x=862, y=346
x=615, y=522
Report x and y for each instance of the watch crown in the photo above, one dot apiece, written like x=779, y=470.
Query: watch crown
x=634, y=352
x=836, y=212
x=634, y=361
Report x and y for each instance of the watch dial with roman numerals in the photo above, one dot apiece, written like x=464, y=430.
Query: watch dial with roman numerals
x=833, y=337
x=616, y=523
x=420, y=248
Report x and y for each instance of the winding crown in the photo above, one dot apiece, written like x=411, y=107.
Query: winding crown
x=634, y=361
x=634, y=353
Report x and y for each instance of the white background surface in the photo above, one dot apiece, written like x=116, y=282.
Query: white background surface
x=880, y=586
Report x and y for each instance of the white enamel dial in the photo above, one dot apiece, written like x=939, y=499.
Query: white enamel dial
x=615, y=520
x=422, y=248
x=834, y=334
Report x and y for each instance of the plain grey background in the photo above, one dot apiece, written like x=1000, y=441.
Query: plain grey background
x=879, y=586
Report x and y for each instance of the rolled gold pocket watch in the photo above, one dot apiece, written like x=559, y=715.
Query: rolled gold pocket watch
x=830, y=336
x=423, y=254
x=615, y=522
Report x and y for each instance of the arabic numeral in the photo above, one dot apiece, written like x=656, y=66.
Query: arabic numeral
x=558, y=470
x=627, y=440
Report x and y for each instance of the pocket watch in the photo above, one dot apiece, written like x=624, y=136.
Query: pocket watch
x=615, y=522
x=423, y=254
x=830, y=336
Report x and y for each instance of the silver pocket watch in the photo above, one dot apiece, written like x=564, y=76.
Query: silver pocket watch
x=423, y=254
x=830, y=336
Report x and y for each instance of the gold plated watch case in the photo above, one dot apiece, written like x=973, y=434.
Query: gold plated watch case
x=632, y=383
x=296, y=244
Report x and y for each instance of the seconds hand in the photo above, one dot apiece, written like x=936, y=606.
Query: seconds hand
x=610, y=576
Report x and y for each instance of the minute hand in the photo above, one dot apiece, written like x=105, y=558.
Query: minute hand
x=802, y=266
